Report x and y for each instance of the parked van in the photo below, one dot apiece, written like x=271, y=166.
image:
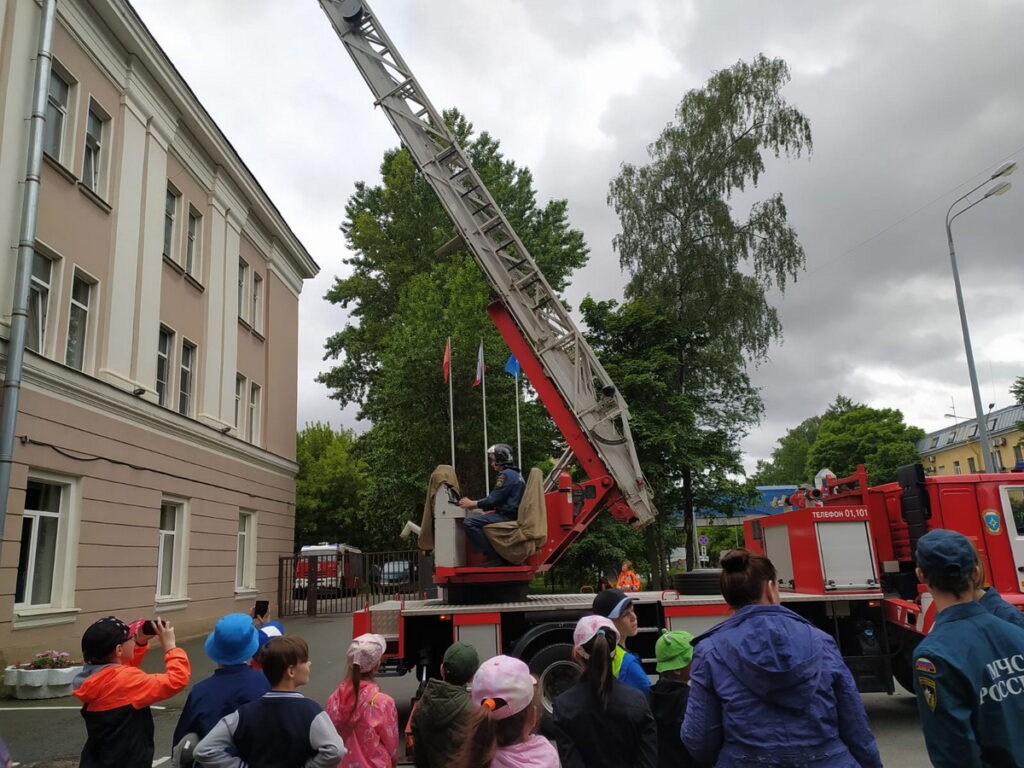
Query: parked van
x=336, y=574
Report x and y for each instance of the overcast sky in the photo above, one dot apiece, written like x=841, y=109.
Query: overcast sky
x=911, y=104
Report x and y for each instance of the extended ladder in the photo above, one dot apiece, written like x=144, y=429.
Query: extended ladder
x=566, y=357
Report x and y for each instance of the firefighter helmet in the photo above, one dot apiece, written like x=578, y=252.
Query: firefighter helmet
x=500, y=454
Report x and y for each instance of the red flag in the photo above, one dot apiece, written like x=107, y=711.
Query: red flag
x=480, y=367
x=446, y=366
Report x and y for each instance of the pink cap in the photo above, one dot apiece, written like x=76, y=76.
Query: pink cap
x=589, y=626
x=135, y=627
x=507, y=679
x=366, y=651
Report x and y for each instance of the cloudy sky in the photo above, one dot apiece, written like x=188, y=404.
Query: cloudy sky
x=911, y=105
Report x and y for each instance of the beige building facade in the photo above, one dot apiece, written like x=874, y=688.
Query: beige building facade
x=956, y=450
x=154, y=466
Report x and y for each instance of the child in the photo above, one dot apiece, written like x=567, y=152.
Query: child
x=669, y=695
x=282, y=729
x=440, y=714
x=502, y=730
x=365, y=718
x=116, y=694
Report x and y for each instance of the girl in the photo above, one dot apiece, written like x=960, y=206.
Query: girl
x=365, y=718
x=600, y=720
x=501, y=730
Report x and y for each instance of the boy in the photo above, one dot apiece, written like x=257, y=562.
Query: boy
x=116, y=694
x=669, y=695
x=282, y=729
x=442, y=709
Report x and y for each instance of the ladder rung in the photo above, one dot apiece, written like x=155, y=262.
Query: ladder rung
x=482, y=208
x=393, y=91
x=527, y=282
x=517, y=264
x=446, y=154
x=505, y=245
x=459, y=173
x=492, y=224
x=469, y=190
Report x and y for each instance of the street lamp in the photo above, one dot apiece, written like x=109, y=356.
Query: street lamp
x=1001, y=188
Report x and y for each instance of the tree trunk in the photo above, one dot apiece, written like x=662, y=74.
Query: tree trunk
x=655, y=544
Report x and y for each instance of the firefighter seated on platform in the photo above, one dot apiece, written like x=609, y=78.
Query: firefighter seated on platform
x=500, y=506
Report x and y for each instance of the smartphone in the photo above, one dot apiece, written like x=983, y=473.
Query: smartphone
x=148, y=627
x=261, y=609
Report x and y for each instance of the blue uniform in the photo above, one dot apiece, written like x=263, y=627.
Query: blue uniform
x=504, y=501
x=969, y=681
x=993, y=602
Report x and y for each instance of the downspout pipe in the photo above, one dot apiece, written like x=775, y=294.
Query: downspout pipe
x=26, y=250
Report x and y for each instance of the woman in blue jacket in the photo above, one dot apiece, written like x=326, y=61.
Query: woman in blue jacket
x=767, y=688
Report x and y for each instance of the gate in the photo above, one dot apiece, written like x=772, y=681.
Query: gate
x=317, y=585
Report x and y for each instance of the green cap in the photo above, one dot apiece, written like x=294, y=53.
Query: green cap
x=460, y=663
x=673, y=650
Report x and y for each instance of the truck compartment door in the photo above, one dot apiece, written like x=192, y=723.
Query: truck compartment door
x=847, y=561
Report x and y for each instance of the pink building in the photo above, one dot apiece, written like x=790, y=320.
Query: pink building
x=155, y=466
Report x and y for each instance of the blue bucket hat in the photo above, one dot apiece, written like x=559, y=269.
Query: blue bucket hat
x=945, y=552
x=233, y=641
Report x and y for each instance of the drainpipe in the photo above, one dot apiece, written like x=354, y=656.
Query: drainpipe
x=26, y=249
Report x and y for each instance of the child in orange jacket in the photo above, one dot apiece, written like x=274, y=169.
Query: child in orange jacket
x=116, y=694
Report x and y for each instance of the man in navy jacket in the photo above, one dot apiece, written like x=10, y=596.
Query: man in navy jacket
x=501, y=505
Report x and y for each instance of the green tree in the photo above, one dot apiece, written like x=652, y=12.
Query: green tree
x=329, y=486
x=878, y=438
x=406, y=294
x=708, y=271
x=788, y=462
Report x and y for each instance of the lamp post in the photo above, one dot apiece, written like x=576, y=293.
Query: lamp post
x=1004, y=170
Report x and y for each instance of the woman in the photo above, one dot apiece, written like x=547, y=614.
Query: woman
x=601, y=721
x=365, y=718
x=767, y=687
x=628, y=581
x=502, y=728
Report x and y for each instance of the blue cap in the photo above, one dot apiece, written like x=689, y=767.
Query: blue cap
x=945, y=552
x=233, y=641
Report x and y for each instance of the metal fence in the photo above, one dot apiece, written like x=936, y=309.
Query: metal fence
x=346, y=581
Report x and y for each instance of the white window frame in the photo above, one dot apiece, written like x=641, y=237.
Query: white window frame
x=255, y=403
x=245, y=551
x=256, y=319
x=178, y=580
x=243, y=282
x=972, y=467
x=43, y=293
x=187, y=376
x=60, y=609
x=170, y=221
x=193, y=242
x=956, y=467
x=241, y=390
x=66, y=112
x=86, y=325
x=163, y=398
x=94, y=147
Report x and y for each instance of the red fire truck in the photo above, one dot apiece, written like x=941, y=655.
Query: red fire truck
x=845, y=560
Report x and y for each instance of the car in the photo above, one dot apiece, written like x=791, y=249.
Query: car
x=393, y=575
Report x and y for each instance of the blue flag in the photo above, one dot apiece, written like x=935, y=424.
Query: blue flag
x=512, y=366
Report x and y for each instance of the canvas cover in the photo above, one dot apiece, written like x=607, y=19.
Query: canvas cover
x=520, y=539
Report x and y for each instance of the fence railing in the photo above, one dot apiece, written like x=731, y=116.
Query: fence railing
x=315, y=585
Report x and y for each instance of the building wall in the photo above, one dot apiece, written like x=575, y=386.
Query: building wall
x=97, y=436
x=956, y=449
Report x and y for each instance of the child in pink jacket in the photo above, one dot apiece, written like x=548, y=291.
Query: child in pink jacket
x=365, y=718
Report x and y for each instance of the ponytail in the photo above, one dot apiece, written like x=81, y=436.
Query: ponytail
x=483, y=733
x=355, y=677
x=598, y=670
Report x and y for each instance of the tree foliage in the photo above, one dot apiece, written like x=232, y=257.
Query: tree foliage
x=328, y=487
x=788, y=462
x=709, y=272
x=404, y=297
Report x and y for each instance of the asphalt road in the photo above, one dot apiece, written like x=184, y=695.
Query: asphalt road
x=50, y=733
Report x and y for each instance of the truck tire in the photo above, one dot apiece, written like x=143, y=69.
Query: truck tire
x=555, y=671
x=703, y=581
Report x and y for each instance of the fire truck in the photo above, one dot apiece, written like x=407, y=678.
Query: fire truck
x=845, y=555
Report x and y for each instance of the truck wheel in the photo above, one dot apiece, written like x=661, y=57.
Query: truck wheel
x=555, y=671
x=903, y=662
x=703, y=581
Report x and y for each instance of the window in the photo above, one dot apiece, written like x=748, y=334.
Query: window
x=239, y=398
x=1018, y=454
x=170, y=214
x=950, y=437
x=170, y=567
x=245, y=560
x=956, y=468
x=243, y=272
x=78, y=322
x=56, y=115
x=935, y=442
x=93, y=162
x=163, y=364
x=192, y=247
x=254, y=414
x=37, y=557
x=1015, y=499
x=38, y=301
x=188, y=364
x=973, y=431
x=972, y=467
x=991, y=425
x=941, y=470
x=997, y=461
x=257, y=302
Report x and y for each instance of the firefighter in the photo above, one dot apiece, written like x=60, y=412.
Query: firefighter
x=501, y=505
x=969, y=671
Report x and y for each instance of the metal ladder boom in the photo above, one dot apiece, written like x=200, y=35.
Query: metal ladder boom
x=568, y=360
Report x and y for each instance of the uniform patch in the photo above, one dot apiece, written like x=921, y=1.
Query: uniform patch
x=928, y=690
x=500, y=481
x=993, y=521
x=924, y=665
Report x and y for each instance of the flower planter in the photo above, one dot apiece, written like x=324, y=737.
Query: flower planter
x=40, y=683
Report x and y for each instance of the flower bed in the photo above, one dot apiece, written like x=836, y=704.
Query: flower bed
x=47, y=676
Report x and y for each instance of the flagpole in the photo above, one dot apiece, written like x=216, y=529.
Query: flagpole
x=519, y=436
x=483, y=385
x=451, y=403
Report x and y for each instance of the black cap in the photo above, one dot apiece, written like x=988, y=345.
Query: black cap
x=102, y=637
x=610, y=603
